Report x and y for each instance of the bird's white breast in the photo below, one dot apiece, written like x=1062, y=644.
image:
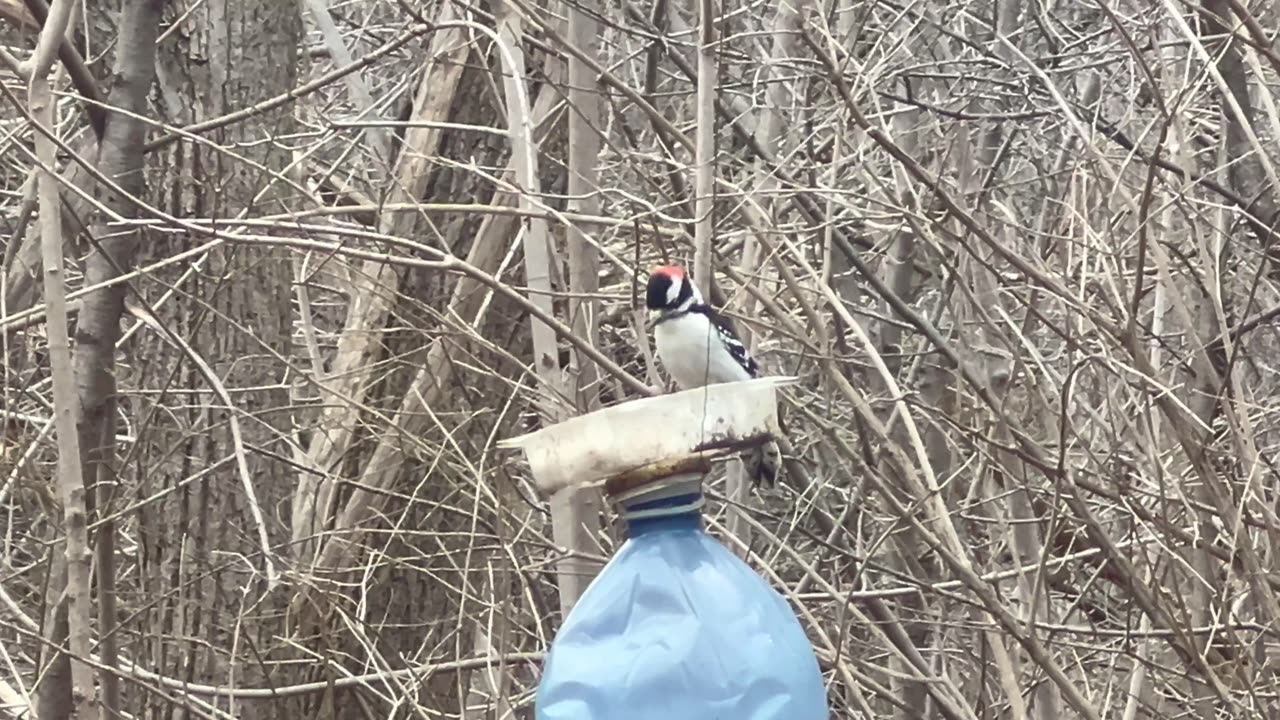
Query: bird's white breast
x=690, y=349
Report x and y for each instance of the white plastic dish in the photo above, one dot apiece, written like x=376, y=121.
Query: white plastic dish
x=591, y=448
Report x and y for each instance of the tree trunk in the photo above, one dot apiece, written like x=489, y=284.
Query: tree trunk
x=76, y=695
x=120, y=160
x=234, y=312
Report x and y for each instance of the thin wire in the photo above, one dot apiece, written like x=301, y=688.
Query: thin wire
x=712, y=330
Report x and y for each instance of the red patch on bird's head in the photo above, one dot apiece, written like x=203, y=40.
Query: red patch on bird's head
x=671, y=271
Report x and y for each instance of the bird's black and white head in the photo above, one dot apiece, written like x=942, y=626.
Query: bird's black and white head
x=670, y=291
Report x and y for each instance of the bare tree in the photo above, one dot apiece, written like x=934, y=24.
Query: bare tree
x=77, y=698
x=579, y=509
x=1020, y=256
x=120, y=163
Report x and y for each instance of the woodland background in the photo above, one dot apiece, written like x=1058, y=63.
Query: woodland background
x=320, y=256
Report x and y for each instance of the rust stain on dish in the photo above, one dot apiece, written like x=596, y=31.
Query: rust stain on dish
x=645, y=474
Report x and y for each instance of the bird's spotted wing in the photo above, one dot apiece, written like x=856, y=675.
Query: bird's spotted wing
x=730, y=339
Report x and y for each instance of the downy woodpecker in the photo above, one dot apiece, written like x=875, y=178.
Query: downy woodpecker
x=697, y=347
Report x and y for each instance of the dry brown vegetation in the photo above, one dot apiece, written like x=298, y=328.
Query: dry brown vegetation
x=321, y=256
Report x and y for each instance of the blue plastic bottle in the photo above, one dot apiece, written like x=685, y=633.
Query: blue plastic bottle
x=676, y=627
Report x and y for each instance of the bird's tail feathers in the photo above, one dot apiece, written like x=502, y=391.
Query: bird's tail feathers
x=763, y=463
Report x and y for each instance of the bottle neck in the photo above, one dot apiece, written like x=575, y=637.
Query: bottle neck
x=673, y=504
